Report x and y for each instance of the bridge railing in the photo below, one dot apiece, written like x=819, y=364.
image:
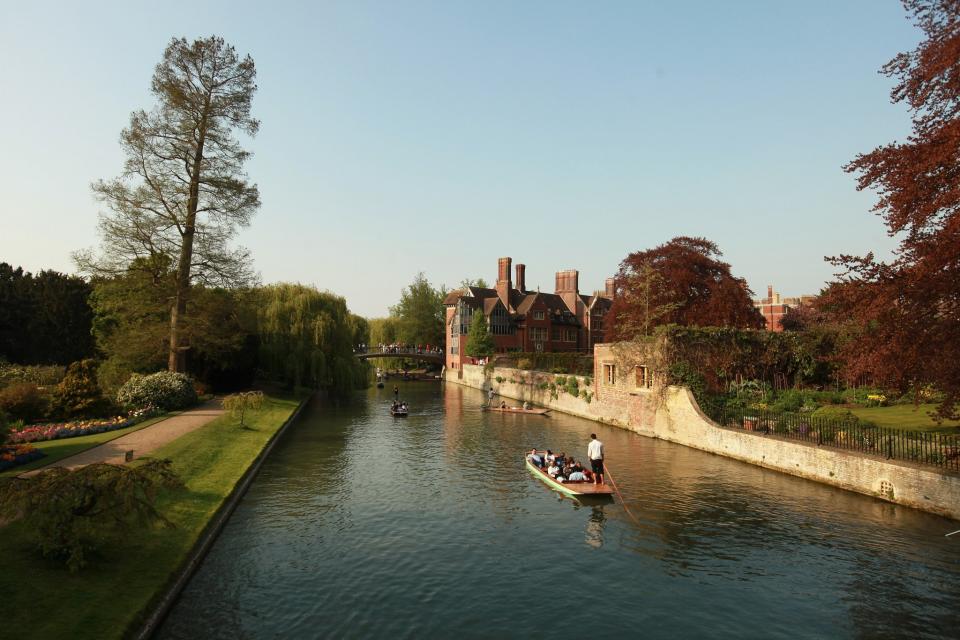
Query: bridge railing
x=398, y=351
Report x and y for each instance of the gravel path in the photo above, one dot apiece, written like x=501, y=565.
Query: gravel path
x=142, y=442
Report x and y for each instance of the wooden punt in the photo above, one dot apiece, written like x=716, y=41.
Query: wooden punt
x=569, y=488
x=536, y=412
x=399, y=413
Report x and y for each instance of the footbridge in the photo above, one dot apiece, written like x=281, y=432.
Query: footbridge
x=436, y=357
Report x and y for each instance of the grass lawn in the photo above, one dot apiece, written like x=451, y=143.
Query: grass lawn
x=109, y=597
x=59, y=449
x=905, y=416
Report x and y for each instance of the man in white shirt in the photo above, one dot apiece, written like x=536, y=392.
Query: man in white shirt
x=595, y=453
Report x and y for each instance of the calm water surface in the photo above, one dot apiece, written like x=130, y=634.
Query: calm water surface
x=362, y=525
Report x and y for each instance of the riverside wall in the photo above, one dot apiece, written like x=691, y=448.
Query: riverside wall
x=672, y=414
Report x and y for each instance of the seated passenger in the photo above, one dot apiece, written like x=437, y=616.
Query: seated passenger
x=553, y=470
x=577, y=476
x=503, y=404
x=535, y=458
x=561, y=458
x=550, y=457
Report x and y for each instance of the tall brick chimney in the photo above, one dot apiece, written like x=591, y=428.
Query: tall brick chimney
x=503, y=281
x=567, y=287
x=521, y=278
x=610, y=288
x=770, y=293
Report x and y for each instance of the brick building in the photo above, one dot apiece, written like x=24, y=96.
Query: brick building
x=522, y=320
x=773, y=307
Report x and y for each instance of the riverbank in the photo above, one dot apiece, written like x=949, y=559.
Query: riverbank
x=672, y=414
x=111, y=597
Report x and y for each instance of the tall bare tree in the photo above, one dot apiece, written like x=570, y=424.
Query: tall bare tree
x=183, y=193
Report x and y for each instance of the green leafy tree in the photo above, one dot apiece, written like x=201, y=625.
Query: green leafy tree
x=240, y=404
x=480, y=342
x=71, y=513
x=306, y=339
x=479, y=282
x=420, y=313
x=183, y=193
x=44, y=318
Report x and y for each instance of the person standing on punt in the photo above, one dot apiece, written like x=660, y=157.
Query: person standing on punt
x=396, y=392
x=595, y=453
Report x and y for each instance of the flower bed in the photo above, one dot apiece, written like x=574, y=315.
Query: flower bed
x=16, y=454
x=58, y=430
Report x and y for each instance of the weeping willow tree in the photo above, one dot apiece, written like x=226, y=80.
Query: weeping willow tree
x=307, y=338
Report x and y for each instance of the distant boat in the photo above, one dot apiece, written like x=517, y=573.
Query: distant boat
x=399, y=413
x=579, y=488
x=380, y=385
x=537, y=411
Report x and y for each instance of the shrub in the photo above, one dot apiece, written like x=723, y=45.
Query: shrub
x=78, y=394
x=41, y=375
x=165, y=390
x=239, y=404
x=23, y=401
x=69, y=513
x=561, y=381
x=573, y=387
x=525, y=363
x=499, y=379
x=834, y=413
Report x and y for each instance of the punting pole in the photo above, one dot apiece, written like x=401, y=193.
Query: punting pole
x=951, y=533
x=623, y=503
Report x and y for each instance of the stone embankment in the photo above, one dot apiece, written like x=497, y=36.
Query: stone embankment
x=672, y=414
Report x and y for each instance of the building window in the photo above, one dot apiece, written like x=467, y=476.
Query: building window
x=538, y=315
x=538, y=334
x=610, y=373
x=644, y=377
x=569, y=335
x=556, y=335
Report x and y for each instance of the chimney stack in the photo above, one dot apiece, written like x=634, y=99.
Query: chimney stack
x=770, y=292
x=610, y=288
x=521, y=278
x=567, y=287
x=503, y=281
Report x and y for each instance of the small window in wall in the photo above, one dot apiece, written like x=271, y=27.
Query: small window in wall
x=538, y=315
x=644, y=377
x=610, y=373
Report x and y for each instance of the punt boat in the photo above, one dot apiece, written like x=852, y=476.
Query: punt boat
x=537, y=411
x=398, y=413
x=569, y=488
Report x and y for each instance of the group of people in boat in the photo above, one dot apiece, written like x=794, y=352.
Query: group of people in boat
x=399, y=407
x=559, y=467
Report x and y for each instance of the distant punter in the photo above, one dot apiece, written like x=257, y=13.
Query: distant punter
x=595, y=453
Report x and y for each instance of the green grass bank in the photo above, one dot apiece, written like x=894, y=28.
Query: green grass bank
x=905, y=416
x=40, y=598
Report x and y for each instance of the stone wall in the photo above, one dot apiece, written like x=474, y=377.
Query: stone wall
x=672, y=414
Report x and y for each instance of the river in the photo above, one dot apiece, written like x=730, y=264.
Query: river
x=363, y=525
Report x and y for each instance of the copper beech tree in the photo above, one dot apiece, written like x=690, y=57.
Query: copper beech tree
x=905, y=313
x=183, y=193
x=680, y=282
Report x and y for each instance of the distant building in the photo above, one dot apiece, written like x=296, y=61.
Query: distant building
x=522, y=320
x=773, y=307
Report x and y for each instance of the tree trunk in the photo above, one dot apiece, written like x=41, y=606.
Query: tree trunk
x=177, y=359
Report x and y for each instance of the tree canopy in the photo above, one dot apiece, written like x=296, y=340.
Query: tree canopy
x=183, y=193
x=307, y=338
x=480, y=342
x=44, y=318
x=680, y=282
x=420, y=313
x=905, y=313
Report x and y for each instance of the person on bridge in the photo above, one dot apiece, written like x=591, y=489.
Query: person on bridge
x=595, y=453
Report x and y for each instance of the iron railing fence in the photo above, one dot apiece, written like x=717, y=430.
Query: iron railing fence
x=940, y=450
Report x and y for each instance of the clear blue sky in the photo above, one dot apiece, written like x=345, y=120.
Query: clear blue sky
x=437, y=136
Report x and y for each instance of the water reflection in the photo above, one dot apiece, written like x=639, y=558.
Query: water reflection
x=362, y=525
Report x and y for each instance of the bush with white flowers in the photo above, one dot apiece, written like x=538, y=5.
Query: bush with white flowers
x=164, y=389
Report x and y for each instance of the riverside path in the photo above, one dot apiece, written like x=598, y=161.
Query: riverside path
x=143, y=441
